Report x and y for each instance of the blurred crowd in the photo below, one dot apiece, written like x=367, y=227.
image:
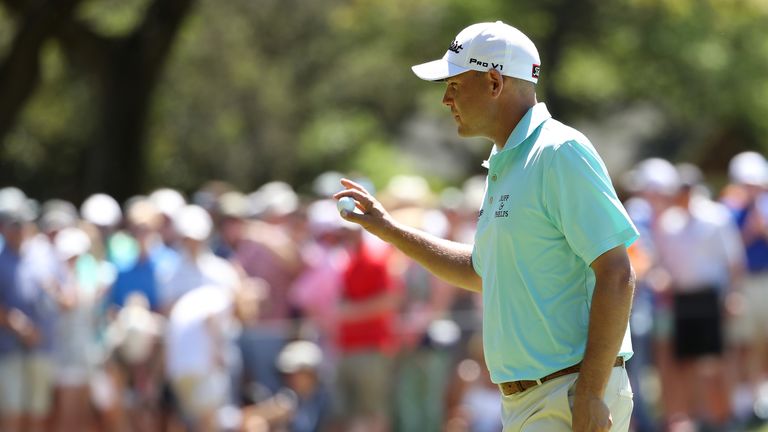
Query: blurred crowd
x=699, y=321
x=224, y=310
x=265, y=311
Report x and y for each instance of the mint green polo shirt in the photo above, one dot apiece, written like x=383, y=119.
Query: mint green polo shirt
x=549, y=210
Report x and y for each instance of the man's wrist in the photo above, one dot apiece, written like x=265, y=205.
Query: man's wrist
x=587, y=386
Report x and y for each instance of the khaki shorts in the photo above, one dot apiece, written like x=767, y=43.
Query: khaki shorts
x=26, y=384
x=201, y=395
x=364, y=384
x=547, y=407
x=753, y=323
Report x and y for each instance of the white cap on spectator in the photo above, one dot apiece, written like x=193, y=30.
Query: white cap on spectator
x=15, y=206
x=327, y=183
x=233, y=204
x=142, y=212
x=11, y=197
x=409, y=190
x=299, y=355
x=748, y=168
x=167, y=200
x=273, y=199
x=72, y=242
x=58, y=214
x=102, y=210
x=655, y=175
x=192, y=221
x=323, y=217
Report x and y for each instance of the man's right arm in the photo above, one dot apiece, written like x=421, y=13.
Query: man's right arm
x=448, y=260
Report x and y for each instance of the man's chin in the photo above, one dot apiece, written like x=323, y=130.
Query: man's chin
x=464, y=133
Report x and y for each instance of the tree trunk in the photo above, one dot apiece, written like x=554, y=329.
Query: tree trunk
x=20, y=69
x=126, y=76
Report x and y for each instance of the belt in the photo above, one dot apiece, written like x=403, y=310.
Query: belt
x=512, y=387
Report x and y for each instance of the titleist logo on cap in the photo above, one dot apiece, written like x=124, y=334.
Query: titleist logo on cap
x=455, y=47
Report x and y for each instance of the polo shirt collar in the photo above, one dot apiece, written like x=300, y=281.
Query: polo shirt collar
x=535, y=116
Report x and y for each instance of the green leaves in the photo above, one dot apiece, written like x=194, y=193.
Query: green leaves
x=286, y=89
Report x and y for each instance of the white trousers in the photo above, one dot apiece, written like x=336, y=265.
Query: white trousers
x=547, y=407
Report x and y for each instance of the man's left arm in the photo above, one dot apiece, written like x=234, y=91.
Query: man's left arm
x=608, y=320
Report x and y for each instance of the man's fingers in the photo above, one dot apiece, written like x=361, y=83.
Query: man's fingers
x=347, y=183
x=361, y=219
x=362, y=200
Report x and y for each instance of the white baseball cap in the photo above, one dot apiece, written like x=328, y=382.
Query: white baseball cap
x=483, y=47
x=748, y=168
x=193, y=221
x=656, y=175
x=72, y=242
x=102, y=210
x=299, y=355
x=167, y=200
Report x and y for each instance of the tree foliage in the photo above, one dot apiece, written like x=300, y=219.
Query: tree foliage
x=127, y=95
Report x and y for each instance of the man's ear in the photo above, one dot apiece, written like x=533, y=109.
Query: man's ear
x=496, y=81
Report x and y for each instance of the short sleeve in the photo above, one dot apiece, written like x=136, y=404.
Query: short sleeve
x=582, y=203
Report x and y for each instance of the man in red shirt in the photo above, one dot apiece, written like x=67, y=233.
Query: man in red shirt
x=366, y=338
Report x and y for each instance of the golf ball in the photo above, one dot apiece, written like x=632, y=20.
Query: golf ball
x=346, y=203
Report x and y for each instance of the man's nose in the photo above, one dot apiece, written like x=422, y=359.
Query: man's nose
x=447, y=99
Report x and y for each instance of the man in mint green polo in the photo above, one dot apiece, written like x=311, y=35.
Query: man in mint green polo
x=550, y=252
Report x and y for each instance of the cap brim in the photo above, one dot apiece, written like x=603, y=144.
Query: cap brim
x=437, y=70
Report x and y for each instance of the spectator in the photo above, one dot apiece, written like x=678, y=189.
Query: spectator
x=103, y=213
x=144, y=274
x=303, y=403
x=427, y=330
x=198, y=344
x=472, y=398
x=168, y=201
x=653, y=183
x=746, y=195
x=135, y=368
x=366, y=337
x=264, y=249
x=700, y=248
x=316, y=291
x=198, y=265
x=76, y=352
x=26, y=323
x=55, y=216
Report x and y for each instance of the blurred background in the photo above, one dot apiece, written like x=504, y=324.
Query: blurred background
x=171, y=260
x=120, y=96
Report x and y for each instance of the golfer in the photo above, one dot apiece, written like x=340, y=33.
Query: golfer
x=549, y=254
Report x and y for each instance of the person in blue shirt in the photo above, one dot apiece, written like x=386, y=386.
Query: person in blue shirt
x=27, y=315
x=747, y=197
x=153, y=262
x=550, y=251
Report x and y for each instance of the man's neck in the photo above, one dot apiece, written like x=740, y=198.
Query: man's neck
x=510, y=122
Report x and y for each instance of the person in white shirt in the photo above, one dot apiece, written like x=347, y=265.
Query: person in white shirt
x=199, y=336
x=701, y=250
x=198, y=265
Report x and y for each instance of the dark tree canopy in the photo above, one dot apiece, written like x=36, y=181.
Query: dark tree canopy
x=123, y=96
